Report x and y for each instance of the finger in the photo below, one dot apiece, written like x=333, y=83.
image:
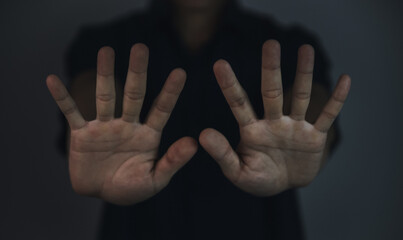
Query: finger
x=334, y=105
x=219, y=148
x=272, y=88
x=135, y=87
x=105, y=87
x=234, y=93
x=301, y=93
x=65, y=102
x=178, y=154
x=166, y=100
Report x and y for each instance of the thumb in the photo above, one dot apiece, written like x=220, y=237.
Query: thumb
x=219, y=148
x=177, y=155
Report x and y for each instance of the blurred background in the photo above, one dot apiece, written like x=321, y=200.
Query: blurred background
x=359, y=194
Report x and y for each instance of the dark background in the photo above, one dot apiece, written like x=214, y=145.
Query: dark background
x=357, y=196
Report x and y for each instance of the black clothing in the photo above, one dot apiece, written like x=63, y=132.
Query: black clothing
x=199, y=202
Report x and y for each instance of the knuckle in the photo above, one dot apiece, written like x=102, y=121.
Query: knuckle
x=298, y=115
x=338, y=98
x=105, y=116
x=302, y=95
x=171, y=156
x=130, y=113
x=106, y=97
x=70, y=109
x=134, y=95
x=271, y=65
x=163, y=108
x=329, y=115
x=238, y=101
x=62, y=98
x=272, y=93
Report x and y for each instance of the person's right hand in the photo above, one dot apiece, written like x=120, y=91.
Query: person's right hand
x=116, y=159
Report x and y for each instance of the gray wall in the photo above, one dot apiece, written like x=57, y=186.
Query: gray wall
x=357, y=196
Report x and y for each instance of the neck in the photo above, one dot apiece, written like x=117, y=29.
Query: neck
x=196, y=27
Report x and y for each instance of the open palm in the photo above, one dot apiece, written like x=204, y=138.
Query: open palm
x=117, y=159
x=278, y=152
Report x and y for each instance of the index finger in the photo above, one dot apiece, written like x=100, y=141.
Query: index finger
x=334, y=105
x=166, y=100
x=234, y=93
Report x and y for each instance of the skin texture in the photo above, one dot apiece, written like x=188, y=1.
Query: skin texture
x=277, y=152
x=116, y=159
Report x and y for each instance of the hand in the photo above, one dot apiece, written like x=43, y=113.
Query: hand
x=115, y=159
x=277, y=152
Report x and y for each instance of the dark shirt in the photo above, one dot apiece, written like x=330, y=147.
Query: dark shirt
x=199, y=202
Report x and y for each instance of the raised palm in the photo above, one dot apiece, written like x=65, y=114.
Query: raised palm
x=278, y=152
x=117, y=159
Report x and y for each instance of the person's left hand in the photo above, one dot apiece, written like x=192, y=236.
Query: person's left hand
x=277, y=152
